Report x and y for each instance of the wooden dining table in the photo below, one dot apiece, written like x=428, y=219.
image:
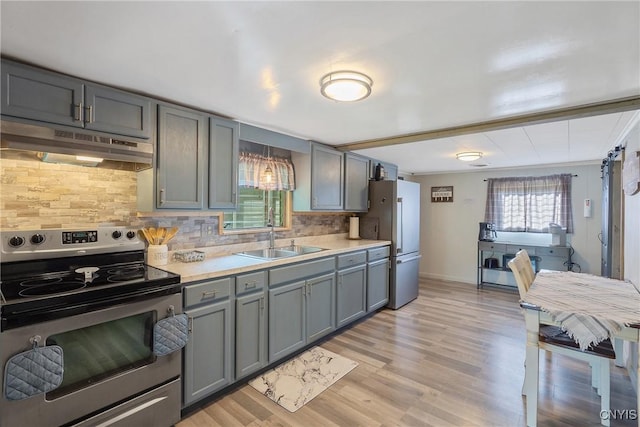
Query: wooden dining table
x=590, y=308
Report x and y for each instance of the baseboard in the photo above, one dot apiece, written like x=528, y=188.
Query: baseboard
x=445, y=278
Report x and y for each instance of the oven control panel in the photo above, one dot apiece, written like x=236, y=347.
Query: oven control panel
x=20, y=245
x=73, y=237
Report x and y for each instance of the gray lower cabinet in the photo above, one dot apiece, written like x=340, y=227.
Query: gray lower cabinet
x=251, y=323
x=208, y=356
x=320, y=294
x=351, y=302
x=41, y=95
x=301, y=305
x=287, y=314
x=351, y=291
x=378, y=268
x=377, y=284
x=182, y=135
x=356, y=183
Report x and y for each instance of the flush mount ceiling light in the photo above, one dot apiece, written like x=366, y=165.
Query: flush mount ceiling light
x=346, y=86
x=469, y=156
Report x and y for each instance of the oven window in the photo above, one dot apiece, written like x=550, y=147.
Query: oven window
x=100, y=351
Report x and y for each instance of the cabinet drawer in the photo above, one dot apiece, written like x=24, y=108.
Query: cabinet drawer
x=207, y=292
x=349, y=260
x=491, y=246
x=558, y=251
x=250, y=282
x=300, y=271
x=378, y=253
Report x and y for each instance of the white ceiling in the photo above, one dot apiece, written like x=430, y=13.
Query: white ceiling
x=434, y=64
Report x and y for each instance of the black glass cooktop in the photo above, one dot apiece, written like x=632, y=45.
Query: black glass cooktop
x=47, y=288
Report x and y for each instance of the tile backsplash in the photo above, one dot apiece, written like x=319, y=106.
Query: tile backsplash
x=35, y=194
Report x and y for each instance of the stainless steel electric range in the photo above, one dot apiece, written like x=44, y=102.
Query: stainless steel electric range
x=89, y=293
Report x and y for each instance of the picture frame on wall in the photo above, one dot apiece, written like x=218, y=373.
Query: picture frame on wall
x=442, y=194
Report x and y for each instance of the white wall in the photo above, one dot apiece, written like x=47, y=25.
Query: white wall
x=632, y=245
x=449, y=231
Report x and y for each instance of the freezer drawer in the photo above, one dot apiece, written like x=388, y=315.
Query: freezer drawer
x=404, y=280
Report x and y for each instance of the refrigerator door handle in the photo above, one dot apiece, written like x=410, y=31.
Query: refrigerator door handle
x=413, y=258
x=400, y=231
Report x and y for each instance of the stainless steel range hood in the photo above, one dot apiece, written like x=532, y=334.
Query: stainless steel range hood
x=75, y=142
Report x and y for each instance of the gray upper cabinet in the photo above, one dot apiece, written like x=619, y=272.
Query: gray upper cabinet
x=319, y=179
x=182, y=137
x=112, y=111
x=197, y=161
x=356, y=183
x=327, y=178
x=35, y=94
x=223, y=163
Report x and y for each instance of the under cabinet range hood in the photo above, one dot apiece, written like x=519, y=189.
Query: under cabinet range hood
x=73, y=143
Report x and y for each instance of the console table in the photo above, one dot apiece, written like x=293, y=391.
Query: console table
x=542, y=256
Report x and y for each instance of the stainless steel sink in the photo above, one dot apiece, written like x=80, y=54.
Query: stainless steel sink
x=301, y=250
x=268, y=253
x=283, y=252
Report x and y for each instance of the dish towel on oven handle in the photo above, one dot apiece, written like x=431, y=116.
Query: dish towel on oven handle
x=33, y=372
x=170, y=334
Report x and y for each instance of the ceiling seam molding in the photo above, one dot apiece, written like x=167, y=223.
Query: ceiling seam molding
x=587, y=110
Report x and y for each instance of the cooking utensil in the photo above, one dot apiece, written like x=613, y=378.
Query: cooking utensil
x=146, y=235
x=169, y=235
x=160, y=235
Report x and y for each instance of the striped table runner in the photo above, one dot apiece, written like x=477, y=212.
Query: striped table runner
x=590, y=308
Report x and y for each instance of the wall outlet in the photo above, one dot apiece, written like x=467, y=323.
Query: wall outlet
x=207, y=230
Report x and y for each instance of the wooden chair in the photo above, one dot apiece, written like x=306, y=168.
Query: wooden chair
x=553, y=339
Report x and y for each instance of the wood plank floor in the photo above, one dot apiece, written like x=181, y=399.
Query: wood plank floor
x=453, y=357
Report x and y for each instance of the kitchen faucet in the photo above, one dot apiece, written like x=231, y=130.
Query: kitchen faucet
x=272, y=243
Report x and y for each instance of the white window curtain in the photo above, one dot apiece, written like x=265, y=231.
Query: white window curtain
x=252, y=167
x=530, y=203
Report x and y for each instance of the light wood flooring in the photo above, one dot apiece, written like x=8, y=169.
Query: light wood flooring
x=453, y=357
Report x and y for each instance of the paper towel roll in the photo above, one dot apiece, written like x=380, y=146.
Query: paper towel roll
x=354, y=227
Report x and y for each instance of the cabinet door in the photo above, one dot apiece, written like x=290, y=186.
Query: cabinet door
x=180, y=169
x=356, y=185
x=377, y=284
x=112, y=111
x=223, y=163
x=320, y=306
x=287, y=326
x=326, y=178
x=251, y=342
x=40, y=95
x=351, y=294
x=207, y=355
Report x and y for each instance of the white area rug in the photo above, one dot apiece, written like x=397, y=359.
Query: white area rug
x=294, y=383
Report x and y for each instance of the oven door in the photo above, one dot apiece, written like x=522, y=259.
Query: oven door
x=108, y=363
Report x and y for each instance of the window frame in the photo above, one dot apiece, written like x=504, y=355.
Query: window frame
x=287, y=220
x=522, y=187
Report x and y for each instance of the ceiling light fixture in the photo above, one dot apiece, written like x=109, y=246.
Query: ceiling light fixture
x=346, y=86
x=469, y=156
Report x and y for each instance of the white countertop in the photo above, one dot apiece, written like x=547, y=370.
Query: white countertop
x=219, y=264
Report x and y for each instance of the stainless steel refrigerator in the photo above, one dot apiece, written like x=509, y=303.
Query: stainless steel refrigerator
x=394, y=214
